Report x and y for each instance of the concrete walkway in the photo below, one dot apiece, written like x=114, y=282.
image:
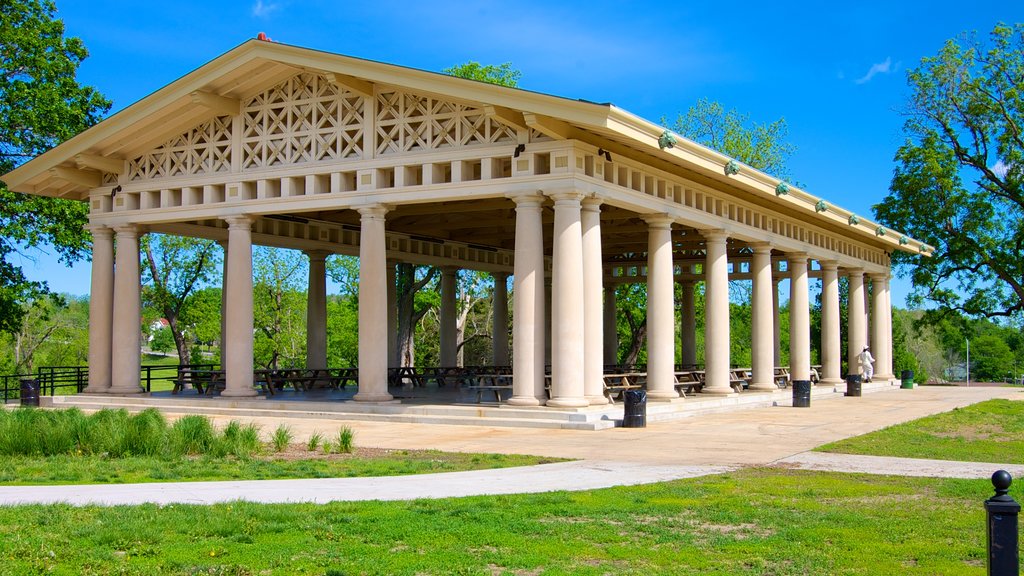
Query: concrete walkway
x=700, y=445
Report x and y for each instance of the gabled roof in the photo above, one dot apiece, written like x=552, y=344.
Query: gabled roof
x=215, y=87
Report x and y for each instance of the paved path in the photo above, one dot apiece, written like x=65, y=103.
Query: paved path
x=695, y=446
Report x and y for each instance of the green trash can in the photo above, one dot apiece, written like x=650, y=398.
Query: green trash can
x=907, y=380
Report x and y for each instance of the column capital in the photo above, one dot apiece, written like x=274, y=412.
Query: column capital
x=592, y=204
x=374, y=210
x=317, y=254
x=239, y=222
x=658, y=221
x=878, y=276
x=563, y=197
x=126, y=230
x=526, y=199
x=829, y=265
x=761, y=247
x=450, y=269
x=853, y=272
x=796, y=257
x=500, y=275
x=99, y=230
x=714, y=234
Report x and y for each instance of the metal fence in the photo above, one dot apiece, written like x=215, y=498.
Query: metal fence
x=56, y=380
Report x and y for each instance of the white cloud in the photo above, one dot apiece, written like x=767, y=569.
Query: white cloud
x=261, y=10
x=880, y=68
x=1000, y=169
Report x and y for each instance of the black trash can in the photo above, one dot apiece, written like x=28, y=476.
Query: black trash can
x=29, y=392
x=635, y=412
x=907, y=380
x=801, y=393
x=853, y=384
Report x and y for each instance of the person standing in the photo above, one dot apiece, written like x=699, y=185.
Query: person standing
x=867, y=364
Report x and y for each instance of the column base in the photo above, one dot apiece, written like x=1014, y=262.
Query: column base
x=718, y=392
x=124, y=391
x=597, y=400
x=569, y=402
x=239, y=393
x=763, y=387
x=666, y=400
x=826, y=382
x=662, y=396
x=524, y=401
x=96, y=390
x=379, y=398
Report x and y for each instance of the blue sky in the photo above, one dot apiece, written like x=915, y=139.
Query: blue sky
x=835, y=72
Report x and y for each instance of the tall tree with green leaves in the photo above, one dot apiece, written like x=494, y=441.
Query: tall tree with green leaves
x=501, y=74
x=177, y=267
x=958, y=179
x=760, y=146
x=41, y=105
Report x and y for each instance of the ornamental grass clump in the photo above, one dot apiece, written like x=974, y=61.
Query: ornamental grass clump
x=346, y=437
x=238, y=440
x=315, y=439
x=281, y=438
x=145, y=434
x=192, y=434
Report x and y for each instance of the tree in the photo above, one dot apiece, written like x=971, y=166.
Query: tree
x=41, y=105
x=279, y=307
x=176, y=267
x=958, y=181
x=760, y=146
x=502, y=74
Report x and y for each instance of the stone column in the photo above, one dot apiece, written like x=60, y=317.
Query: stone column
x=127, y=315
x=101, y=309
x=223, y=305
x=716, y=314
x=238, y=315
x=886, y=365
x=548, y=308
x=762, y=337
x=373, y=313
x=856, y=331
x=449, y=327
x=881, y=344
x=593, y=320
x=528, y=304
x=316, y=310
x=500, y=319
x=799, y=318
x=392, y=280
x=831, y=371
x=776, y=322
x=611, y=334
x=660, y=310
x=688, y=325
x=567, y=389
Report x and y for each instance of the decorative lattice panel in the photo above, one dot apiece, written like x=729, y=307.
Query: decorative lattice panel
x=304, y=119
x=204, y=150
x=407, y=122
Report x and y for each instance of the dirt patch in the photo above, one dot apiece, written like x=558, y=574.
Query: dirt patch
x=301, y=452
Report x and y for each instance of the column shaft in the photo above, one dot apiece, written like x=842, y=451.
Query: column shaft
x=611, y=333
x=316, y=311
x=238, y=315
x=567, y=390
x=373, y=313
x=799, y=319
x=593, y=320
x=762, y=337
x=500, y=328
x=716, y=314
x=528, y=304
x=127, y=315
x=776, y=322
x=887, y=364
x=101, y=309
x=449, y=335
x=688, y=326
x=856, y=332
x=660, y=311
x=881, y=347
x=831, y=371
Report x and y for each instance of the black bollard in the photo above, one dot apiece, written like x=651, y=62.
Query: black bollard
x=1003, y=559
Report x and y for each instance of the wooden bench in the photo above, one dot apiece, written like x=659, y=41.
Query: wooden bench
x=617, y=384
x=496, y=383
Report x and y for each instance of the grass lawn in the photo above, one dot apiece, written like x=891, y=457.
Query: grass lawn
x=757, y=521
x=991, y=431
x=295, y=463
